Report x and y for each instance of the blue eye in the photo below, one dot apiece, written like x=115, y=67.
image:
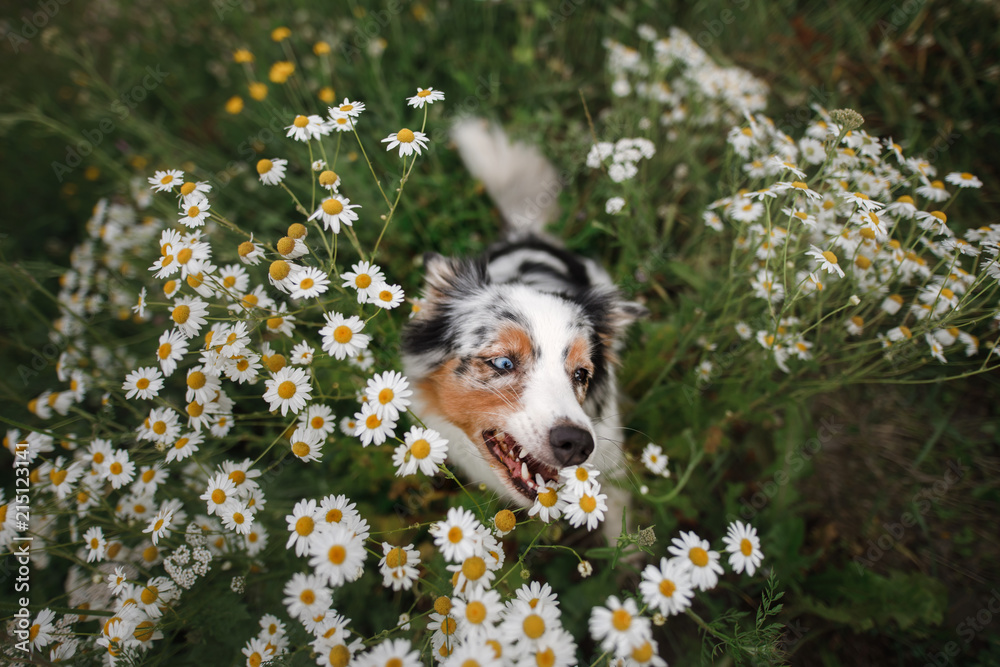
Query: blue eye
x=502, y=364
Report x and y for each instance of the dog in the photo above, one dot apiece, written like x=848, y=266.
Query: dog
x=512, y=354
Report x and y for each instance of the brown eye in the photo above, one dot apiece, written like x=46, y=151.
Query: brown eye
x=581, y=376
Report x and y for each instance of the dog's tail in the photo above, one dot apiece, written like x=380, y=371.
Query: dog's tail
x=520, y=180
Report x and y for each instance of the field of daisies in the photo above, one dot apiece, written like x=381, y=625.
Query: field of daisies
x=217, y=214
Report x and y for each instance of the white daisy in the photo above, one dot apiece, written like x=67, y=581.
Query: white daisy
x=548, y=504
x=361, y=277
x=173, y=346
x=386, y=296
x=159, y=525
x=318, y=418
x=120, y=469
x=302, y=526
x=667, y=587
x=580, y=479
x=334, y=211
x=422, y=449
x=164, y=181
x=306, y=596
x=342, y=336
x=305, y=128
x=399, y=566
x=963, y=180
x=306, y=444
x=827, y=260
x=655, y=460
x=288, y=389
x=237, y=517
x=347, y=108
x=424, y=96
x=188, y=314
x=220, y=491
x=457, y=537
x=408, y=141
x=370, y=428
x=388, y=393
x=94, y=540
x=618, y=626
x=586, y=508
x=271, y=171
x=194, y=214
x=309, y=282
x=337, y=554
x=144, y=383
x=701, y=562
x=743, y=546
x=476, y=613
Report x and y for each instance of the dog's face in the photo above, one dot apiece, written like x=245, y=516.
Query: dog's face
x=525, y=375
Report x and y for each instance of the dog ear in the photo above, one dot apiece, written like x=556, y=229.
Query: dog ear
x=624, y=313
x=444, y=277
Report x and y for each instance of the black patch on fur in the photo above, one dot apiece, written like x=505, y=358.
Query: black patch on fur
x=575, y=276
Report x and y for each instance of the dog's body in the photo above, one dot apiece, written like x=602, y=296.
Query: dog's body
x=512, y=354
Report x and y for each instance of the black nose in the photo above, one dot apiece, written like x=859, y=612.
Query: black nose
x=571, y=445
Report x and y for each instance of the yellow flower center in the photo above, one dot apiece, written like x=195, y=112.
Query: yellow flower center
x=426, y=93
x=343, y=334
x=148, y=476
x=327, y=178
x=533, y=626
x=667, y=588
x=167, y=180
x=829, y=256
x=621, y=620
x=285, y=245
x=548, y=497
x=698, y=556
x=301, y=449
x=300, y=121
x=337, y=554
x=475, y=612
x=455, y=535
x=317, y=422
x=286, y=389
x=245, y=248
x=196, y=380
x=443, y=606
x=588, y=503
x=473, y=568
x=332, y=206
x=582, y=474
x=279, y=269
x=57, y=476
x=275, y=362
x=149, y=595
x=421, y=449
x=264, y=166
x=181, y=314
x=746, y=548
x=275, y=322
x=195, y=409
x=505, y=520
x=116, y=468
x=187, y=188
x=304, y=526
x=218, y=496
x=643, y=653
x=339, y=656
x=404, y=136
x=395, y=558
x=334, y=516
x=385, y=295
x=142, y=383
x=307, y=596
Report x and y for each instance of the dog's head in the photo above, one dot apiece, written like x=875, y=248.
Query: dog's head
x=524, y=374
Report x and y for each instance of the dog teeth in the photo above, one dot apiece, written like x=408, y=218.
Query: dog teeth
x=524, y=471
x=521, y=453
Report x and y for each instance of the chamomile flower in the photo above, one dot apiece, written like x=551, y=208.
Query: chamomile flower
x=348, y=108
x=963, y=180
x=827, y=260
x=172, y=348
x=667, y=587
x=164, y=181
x=140, y=307
x=337, y=554
x=236, y=517
x=120, y=470
x=655, y=460
x=193, y=214
x=244, y=368
x=94, y=540
x=306, y=444
x=342, y=336
x=250, y=253
x=342, y=123
x=424, y=96
x=457, y=536
x=743, y=546
x=548, y=504
x=302, y=526
x=700, y=561
x=361, y=277
x=370, y=428
x=580, y=479
x=934, y=191
x=220, y=491
x=391, y=653
x=306, y=596
x=618, y=626
x=526, y=623
x=334, y=211
x=319, y=419
x=386, y=296
x=388, y=393
x=587, y=508
x=288, y=389
x=188, y=314
x=159, y=525
x=308, y=283
x=271, y=171
x=476, y=613
x=144, y=383
x=399, y=566
x=422, y=449
x=306, y=128
x=408, y=141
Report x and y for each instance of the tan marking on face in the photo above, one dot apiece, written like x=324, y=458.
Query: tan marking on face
x=578, y=356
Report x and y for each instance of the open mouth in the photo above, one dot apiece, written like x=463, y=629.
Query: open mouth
x=521, y=466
